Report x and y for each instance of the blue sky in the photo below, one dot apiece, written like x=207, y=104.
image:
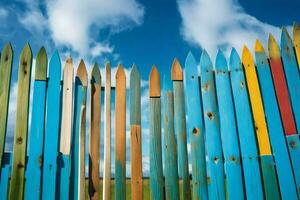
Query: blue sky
x=144, y=32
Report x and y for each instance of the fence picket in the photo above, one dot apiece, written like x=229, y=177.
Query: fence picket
x=120, y=139
x=94, y=156
x=78, y=142
x=170, y=146
x=36, y=136
x=135, y=135
x=156, y=170
x=266, y=158
x=195, y=127
x=230, y=144
x=21, y=130
x=52, y=128
x=64, y=159
x=276, y=133
x=252, y=176
x=107, y=135
x=215, y=170
x=5, y=79
x=180, y=128
x=296, y=34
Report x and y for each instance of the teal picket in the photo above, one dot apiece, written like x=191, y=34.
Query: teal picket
x=52, y=129
x=215, y=170
x=276, y=133
x=5, y=175
x=36, y=134
x=80, y=95
x=195, y=128
x=170, y=150
x=180, y=128
x=247, y=138
x=156, y=170
x=230, y=143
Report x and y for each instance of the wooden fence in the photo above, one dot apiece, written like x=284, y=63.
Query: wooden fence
x=242, y=118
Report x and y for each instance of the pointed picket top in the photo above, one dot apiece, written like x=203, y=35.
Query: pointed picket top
x=96, y=75
x=68, y=65
x=82, y=73
x=247, y=58
x=235, y=60
x=120, y=74
x=221, y=63
x=259, y=47
x=190, y=68
x=55, y=67
x=41, y=65
x=177, y=74
x=26, y=54
x=134, y=74
x=7, y=53
x=260, y=54
x=273, y=47
x=205, y=62
x=154, y=82
x=286, y=41
x=296, y=34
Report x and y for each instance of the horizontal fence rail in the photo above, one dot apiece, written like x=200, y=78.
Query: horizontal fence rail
x=227, y=129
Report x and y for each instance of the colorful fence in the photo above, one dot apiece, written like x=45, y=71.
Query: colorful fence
x=242, y=118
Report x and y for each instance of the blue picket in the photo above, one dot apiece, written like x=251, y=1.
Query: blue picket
x=249, y=151
x=230, y=143
x=52, y=128
x=276, y=133
x=195, y=127
x=5, y=174
x=215, y=170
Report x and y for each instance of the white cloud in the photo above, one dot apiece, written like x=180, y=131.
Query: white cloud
x=100, y=48
x=3, y=13
x=214, y=24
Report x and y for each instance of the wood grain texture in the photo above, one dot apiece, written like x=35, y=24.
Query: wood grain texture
x=120, y=139
x=21, y=129
x=280, y=86
x=154, y=84
x=215, y=169
x=296, y=39
x=276, y=132
x=5, y=79
x=94, y=155
x=77, y=181
x=291, y=73
x=52, y=128
x=107, y=135
x=67, y=105
x=170, y=146
x=245, y=127
x=135, y=135
x=180, y=128
x=229, y=137
x=156, y=170
x=37, y=129
x=195, y=128
x=266, y=158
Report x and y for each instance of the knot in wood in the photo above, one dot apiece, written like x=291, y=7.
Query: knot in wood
x=210, y=115
x=19, y=140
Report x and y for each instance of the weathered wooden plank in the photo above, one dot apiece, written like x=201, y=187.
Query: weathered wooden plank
x=21, y=129
x=195, y=127
x=292, y=74
x=5, y=174
x=252, y=176
x=94, y=158
x=296, y=34
x=180, y=128
x=215, y=170
x=36, y=135
x=120, y=139
x=64, y=159
x=230, y=143
x=78, y=148
x=5, y=77
x=135, y=135
x=267, y=163
x=52, y=128
x=107, y=135
x=276, y=133
x=156, y=170
x=170, y=146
